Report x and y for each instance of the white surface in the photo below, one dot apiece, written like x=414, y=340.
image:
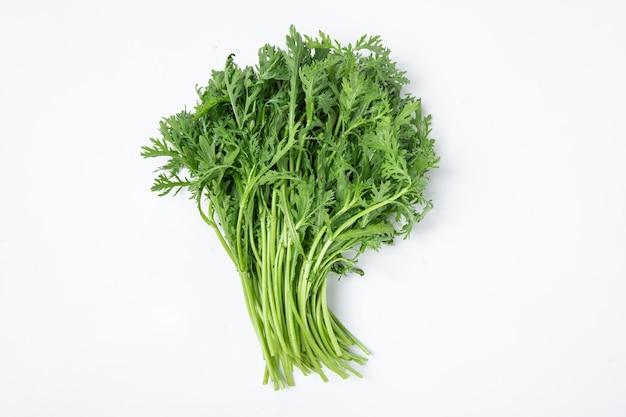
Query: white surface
x=508, y=300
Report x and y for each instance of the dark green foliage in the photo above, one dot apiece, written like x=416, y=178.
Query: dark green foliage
x=300, y=165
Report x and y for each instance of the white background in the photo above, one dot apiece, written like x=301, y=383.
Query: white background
x=508, y=300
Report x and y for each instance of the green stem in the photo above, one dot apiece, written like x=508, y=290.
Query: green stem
x=275, y=256
x=250, y=305
x=327, y=319
x=209, y=219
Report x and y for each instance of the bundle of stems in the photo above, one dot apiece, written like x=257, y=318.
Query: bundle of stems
x=300, y=164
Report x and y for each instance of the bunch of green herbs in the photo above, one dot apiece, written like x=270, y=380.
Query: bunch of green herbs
x=299, y=165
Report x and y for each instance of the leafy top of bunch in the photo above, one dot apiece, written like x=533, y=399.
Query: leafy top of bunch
x=318, y=133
